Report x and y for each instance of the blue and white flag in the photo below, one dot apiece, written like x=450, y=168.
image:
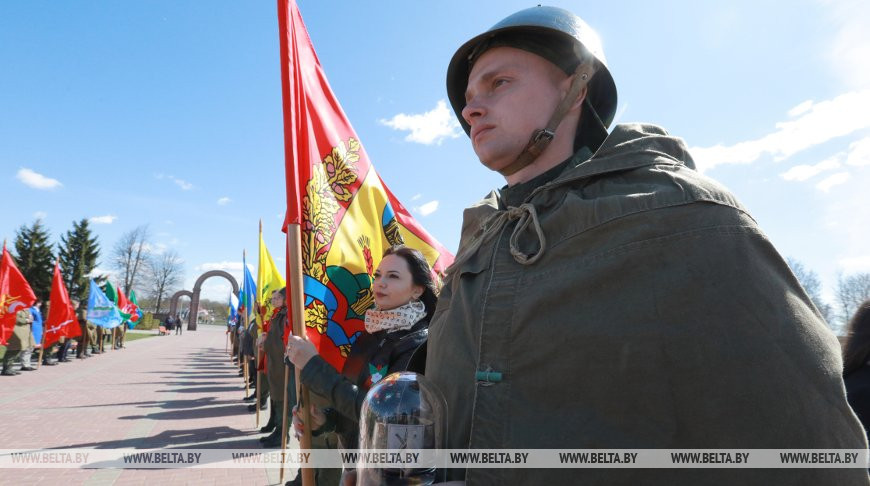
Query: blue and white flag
x=102, y=311
x=232, y=309
x=248, y=294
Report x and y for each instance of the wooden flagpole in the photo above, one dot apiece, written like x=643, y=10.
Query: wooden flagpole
x=256, y=349
x=241, y=353
x=297, y=294
x=258, y=398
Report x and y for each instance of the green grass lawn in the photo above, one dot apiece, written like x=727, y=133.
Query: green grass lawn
x=132, y=336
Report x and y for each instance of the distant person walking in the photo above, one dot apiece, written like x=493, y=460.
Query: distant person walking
x=177, y=325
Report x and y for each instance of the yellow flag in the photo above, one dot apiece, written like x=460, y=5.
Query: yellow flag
x=269, y=279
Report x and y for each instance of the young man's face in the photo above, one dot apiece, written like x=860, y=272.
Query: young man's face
x=510, y=94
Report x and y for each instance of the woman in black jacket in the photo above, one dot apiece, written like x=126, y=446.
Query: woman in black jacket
x=405, y=296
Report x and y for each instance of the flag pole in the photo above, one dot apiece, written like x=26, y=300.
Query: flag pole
x=297, y=294
x=258, y=399
x=294, y=241
x=245, y=368
x=257, y=349
x=247, y=311
x=229, y=308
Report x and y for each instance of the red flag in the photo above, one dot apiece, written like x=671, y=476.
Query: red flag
x=15, y=294
x=62, y=319
x=346, y=214
x=126, y=306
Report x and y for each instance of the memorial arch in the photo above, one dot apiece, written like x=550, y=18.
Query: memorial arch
x=194, y=295
x=173, y=301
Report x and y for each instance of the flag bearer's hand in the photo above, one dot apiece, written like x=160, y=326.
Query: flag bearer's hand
x=299, y=351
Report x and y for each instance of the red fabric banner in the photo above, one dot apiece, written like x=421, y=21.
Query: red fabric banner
x=127, y=307
x=346, y=214
x=61, y=321
x=15, y=295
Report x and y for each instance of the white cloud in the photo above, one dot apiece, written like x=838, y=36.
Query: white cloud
x=223, y=201
x=839, y=178
x=801, y=108
x=227, y=266
x=427, y=128
x=37, y=180
x=427, y=208
x=183, y=184
x=107, y=219
x=40, y=215
x=416, y=197
x=99, y=272
x=859, y=152
x=216, y=289
x=817, y=123
x=804, y=172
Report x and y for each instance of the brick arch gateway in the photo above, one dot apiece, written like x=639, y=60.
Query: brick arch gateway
x=194, y=295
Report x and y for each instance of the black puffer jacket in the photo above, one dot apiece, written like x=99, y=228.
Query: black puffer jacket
x=376, y=354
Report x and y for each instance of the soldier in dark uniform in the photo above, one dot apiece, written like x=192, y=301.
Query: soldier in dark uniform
x=684, y=327
x=249, y=336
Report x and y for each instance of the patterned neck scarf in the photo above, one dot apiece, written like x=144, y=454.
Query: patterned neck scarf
x=398, y=319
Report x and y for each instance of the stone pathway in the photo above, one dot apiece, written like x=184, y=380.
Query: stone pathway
x=175, y=391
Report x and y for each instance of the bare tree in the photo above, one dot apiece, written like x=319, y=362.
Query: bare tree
x=852, y=290
x=165, y=273
x=130, y=256
x=809, y=280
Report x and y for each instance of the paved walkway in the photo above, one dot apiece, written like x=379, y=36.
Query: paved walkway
x=178, y=391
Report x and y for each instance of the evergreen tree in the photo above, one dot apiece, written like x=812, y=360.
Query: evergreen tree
x=78, y=251
x=34, y=257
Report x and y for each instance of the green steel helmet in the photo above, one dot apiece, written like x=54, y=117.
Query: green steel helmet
x=550, y=32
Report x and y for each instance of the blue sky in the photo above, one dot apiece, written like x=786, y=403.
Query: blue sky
x=168, y=113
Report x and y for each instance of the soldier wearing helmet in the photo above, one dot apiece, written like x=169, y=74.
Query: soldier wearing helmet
x=611, y=297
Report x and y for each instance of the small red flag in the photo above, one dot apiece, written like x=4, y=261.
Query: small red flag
x=15, y=294
x=126, y=306
x=62, y=319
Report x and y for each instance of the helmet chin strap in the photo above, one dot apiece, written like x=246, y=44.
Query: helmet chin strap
x=541, y=138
